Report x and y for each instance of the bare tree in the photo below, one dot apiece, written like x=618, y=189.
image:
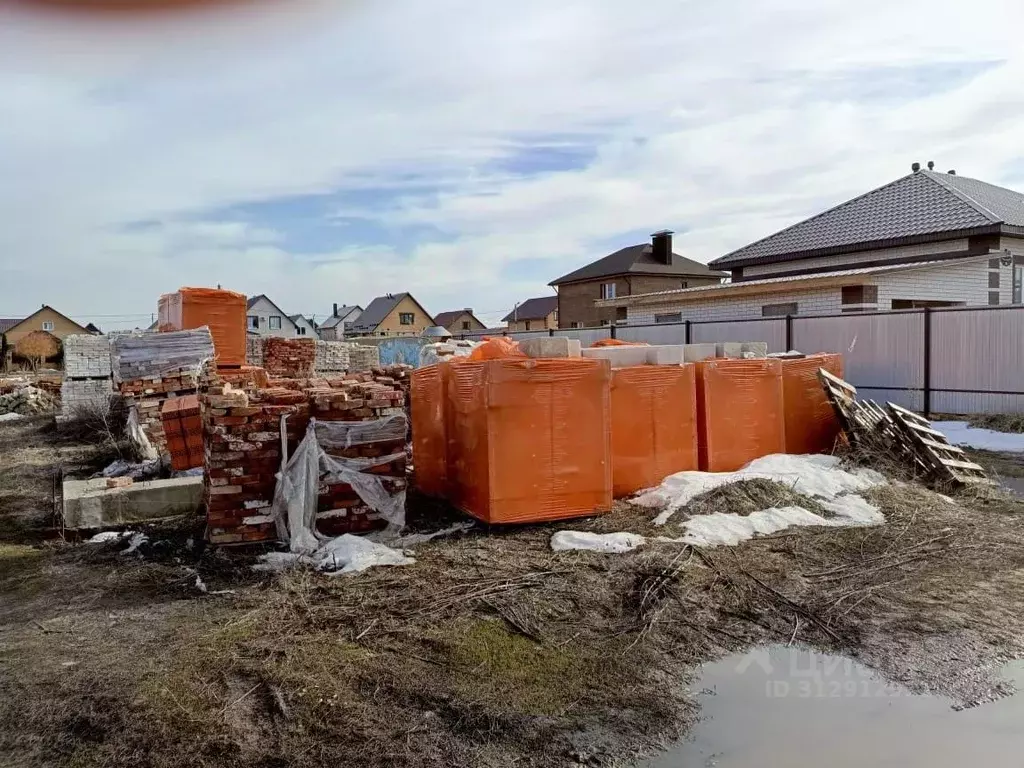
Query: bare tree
x=36, y=347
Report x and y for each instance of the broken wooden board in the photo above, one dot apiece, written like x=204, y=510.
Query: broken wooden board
x=948, y=462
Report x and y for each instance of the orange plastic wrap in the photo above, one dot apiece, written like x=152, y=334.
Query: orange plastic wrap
x=654, y=425
x=617, y=343
x=223, y=312
x=739, y=412
x=529, y=440
x=429, y=442
x=811, y=424
x=496, y=348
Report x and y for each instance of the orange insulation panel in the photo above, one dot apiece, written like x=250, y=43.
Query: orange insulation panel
x=429, y=432
x=223, y=312
x=654, y=425
x=529, y=440
x=740, y=414
x=811, y=424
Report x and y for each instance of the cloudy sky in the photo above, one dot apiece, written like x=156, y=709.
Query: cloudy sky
x=468, y=151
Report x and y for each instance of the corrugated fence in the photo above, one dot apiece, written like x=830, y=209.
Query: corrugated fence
x=950, y=360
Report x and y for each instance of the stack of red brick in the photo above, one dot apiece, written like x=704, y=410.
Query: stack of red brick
x=183, y=428
x=243, y=455
x=292, y=358
x=148, y=396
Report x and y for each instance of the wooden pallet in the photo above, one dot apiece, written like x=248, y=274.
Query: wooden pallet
x=947, y=462
x=865, y=422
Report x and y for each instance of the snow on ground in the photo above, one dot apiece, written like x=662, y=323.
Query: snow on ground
x=11, y=417
x=609, y=543
x=104, y=536
x=342, y=554
x=819, y=477
x=958, y=433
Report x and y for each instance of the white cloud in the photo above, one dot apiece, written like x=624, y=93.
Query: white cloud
x=730, y=119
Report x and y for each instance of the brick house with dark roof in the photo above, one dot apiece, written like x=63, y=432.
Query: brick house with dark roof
x=533, y=315
x=926, y=239
x=637, y=269
x=459, y=321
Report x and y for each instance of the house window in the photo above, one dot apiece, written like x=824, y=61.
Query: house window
x=606, y=322
x=254, y=322
x=923, y=304
x=527, y=325
x=778, y=310
x=1018, y=283
x=275, y=322
x=406, y=318
x=669, y=317
x=465, y=325
x=576, y=324
x=607, y=290
x=684, y=284
x=47, y=325
x=300, y=330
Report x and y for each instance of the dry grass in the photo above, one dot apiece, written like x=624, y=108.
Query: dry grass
x=748, y=496
x=1000, y=422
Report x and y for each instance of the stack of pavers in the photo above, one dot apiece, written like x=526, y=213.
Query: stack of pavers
x=363, y=357
x=183, y=429
x=332, y=357
x=150, y=368
x=292, y=358
x=88, y=383
x=243, y=450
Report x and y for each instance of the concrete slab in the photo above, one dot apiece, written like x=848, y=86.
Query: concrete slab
x=666, y=354
x=90, y=504
x=731, y=349
x=693, y=353
x=619, y=357
x=550, y=346
x=738, y=349
x=755, y=349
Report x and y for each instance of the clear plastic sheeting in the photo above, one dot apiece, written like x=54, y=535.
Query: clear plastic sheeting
x=345, y=554
x=150, y=355
x=295, y=499
x=138, y=436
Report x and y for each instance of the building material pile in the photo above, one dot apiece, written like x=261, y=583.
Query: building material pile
x=895, y=432
x=254, y=350
x=247, y=377
x=88, y=376
x=27, y=400
x=332, y=357
x=363, y=357
x=289, y=358
x=222, y=312
x=183, y=429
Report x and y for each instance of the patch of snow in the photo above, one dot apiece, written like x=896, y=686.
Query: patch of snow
x=200, y=585
x=959, y=433
x=608, y=543
x=817, y=476
x=344, y=554
x=104, y=536
x=10, y=417
x=136, y=541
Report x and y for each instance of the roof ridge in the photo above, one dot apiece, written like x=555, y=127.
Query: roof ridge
x=936, y=178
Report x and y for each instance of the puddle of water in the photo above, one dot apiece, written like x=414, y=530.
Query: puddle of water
x=803, y=709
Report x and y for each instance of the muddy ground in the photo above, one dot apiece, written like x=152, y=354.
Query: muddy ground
x=491, y=650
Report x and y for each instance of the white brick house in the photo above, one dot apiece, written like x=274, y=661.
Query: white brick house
x=927, y=239
x=265, y=318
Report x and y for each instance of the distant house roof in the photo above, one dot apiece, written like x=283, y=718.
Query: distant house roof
x=444, y=319
x=15, y=323
x=343, y=313
x=922, y=206
x=91, y=328
x=9, y=322
x=295, y=319
x=533, y=309
x=252, y=301
x=637, y=260
x=380, y=308
x=770, y=285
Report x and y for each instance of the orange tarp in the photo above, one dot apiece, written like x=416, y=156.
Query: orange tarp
x=223, y=312
x=496, y=348
x=739, y=412
x=811, y=424
x=654, y=425
x=429, y=442
x=529, y=440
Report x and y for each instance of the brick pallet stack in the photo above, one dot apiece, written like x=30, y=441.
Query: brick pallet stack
x=292, y=358
x=88, y=383
x=183, y=428
x=332, y=357
x=148, y=396
x=254, y=350
x=363, y=357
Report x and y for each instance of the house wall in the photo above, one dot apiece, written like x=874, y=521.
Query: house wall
x=965, y=284
x=576, y=300
x=456, y=325
x=852, y=260
x=551, y=321
x=310, y=331
x=263, y=310
x=811, y=302
x=392, y=326
x=62, y=327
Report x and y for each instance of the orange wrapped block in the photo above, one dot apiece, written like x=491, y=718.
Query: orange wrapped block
x=739, y=412
x=529, y=440
x=496, y=348
x=223, y=312
x=654, y=425
x=429, y=442
x=811, y=424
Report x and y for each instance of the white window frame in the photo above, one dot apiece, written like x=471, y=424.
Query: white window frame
x=607, y=290
x=48, y=325
x=1018, y=284
x=253, y=322
x=668, y=318
x=300, y=330
x=410, y=315
x=270, y=324
x=576, y=324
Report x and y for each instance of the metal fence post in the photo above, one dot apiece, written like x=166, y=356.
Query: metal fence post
x=686, y=334
x=614, y=331
x=926, y=405
x=551, y=331
x=789, y=333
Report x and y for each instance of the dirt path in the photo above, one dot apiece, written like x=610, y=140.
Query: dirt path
x=491, y=650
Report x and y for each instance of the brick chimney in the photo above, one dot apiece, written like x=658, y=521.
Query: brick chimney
x=335, y=310
x=661, y=246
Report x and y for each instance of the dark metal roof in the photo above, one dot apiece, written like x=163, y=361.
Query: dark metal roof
x=444, y=319
x=637, y=259
x=380, y=308
x=343, y=312
x=533, y=309
x=921, y=205
x=7, y=323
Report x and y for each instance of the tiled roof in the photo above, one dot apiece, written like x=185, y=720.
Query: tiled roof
x=637, y=259
x=377, y=310
x=444, y=319
x=788, y=283
x=533, y=309
x=922, y=203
